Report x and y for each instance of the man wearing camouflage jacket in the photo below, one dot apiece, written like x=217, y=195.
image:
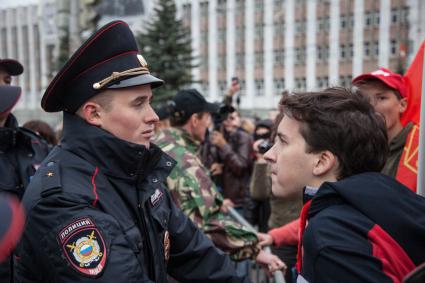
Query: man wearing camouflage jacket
x=190, y=184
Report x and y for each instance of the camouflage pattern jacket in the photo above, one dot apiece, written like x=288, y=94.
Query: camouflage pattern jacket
x=195, y=194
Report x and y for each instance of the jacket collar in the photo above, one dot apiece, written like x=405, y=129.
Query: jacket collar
x=113, y=156
x=11, y=136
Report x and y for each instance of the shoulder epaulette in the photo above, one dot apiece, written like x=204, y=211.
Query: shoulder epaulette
x=50, y=179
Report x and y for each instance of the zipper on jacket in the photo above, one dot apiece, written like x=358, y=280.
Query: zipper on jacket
x=146, y=234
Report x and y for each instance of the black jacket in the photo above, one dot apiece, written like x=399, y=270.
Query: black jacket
x=98, y=210
x=21, y=152
x=366, y=228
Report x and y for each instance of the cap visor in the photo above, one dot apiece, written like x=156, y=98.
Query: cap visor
x=9, y=96
x=13, y=67
x=211, y=107
x=372, y=77
x=138, y=80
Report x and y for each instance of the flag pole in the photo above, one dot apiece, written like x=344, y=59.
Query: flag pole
x=421, y=154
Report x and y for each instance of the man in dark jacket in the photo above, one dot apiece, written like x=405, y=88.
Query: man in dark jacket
x=98, y=209
x=234, y=158
x=357, y=225
x=21, y=151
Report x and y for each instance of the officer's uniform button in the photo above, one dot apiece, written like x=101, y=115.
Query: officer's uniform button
x=168, y=163
x=155, y=180
x=51, y=163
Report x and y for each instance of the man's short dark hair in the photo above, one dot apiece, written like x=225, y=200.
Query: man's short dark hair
x=180, y=121
x=345, y=123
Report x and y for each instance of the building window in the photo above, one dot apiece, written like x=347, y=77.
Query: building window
x=350, y=51
x=393, y=47
x=376, y=18
x=259, y=55
x=279, y=86
x=343, y=22
x=368, y=19
x=259, y=87
x=375, y=49
x=394, y=16
x=342, y=51
x=366, y=49
x=279, y=57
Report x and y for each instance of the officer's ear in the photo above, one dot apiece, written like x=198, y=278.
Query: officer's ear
x=90, y=112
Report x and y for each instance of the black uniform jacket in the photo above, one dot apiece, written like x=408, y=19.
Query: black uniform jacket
x=365, y=228
x=21, y=152
x=98, y=211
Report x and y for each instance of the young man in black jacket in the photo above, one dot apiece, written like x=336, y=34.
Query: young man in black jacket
x=357, y=225
x=98, y=209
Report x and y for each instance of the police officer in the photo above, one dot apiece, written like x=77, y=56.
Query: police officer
x=98, y=209
x=21, y=151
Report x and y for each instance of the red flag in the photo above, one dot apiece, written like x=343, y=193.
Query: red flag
x=414, y=92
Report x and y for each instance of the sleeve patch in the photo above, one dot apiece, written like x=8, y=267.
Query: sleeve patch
x=84, y=246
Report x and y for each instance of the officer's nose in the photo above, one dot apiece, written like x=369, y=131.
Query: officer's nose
x=151, y=116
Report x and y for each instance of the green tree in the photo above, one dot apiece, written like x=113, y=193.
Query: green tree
x=166, y=45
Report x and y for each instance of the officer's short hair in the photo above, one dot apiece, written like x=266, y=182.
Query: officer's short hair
x=104, y=99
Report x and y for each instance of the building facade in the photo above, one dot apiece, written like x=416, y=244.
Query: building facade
x=276, y=45
x=270, y=45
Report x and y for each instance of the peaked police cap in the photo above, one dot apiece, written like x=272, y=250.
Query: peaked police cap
x=109, y=59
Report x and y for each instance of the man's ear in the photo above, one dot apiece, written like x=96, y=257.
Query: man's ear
x=91, y=113
x=325, y=163
x=403, y=105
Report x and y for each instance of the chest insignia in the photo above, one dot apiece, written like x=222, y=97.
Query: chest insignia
x=156, y=197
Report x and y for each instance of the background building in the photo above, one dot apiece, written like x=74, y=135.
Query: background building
x=272, y=45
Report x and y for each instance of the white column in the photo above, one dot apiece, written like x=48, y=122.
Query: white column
x=334, y=43
x=289, y=45
x=32, y=64
x=9, y=23
x=384, y=33
x=20, y=56
x=212, y=50
x=358, y=37
x=249, y=53
x=311, y=45
x=268, y=52
x=179, y=8
x=43, y=41
x=2, y=24
x=195, y=29
x=416, y=26
x=230, y=40
x=413, y=26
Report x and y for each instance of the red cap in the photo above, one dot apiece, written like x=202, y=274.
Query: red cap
x=393, y=80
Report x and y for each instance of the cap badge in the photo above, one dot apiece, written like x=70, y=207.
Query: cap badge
x=381, y=73
x=142, y=61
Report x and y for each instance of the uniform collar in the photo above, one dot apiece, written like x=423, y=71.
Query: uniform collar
x=113, y=156
x=11, y=136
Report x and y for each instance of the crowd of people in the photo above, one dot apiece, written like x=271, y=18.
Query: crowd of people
x=126, y=193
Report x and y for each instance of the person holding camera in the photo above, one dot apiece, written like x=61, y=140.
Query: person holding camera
x=234, y=155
